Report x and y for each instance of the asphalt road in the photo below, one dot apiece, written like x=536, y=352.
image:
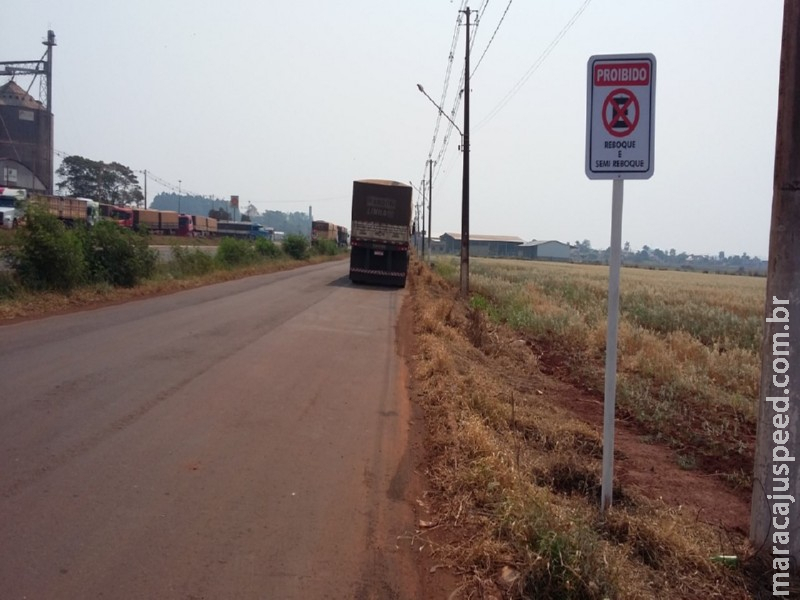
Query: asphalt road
x=239, y=441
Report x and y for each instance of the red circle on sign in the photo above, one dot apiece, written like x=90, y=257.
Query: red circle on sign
x=616, y=108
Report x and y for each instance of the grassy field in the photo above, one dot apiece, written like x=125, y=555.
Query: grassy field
x=689, y=359
x=515, y=475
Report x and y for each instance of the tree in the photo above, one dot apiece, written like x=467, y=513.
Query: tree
x=112, y=183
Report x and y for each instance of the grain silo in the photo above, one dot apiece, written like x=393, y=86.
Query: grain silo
x=26, y=126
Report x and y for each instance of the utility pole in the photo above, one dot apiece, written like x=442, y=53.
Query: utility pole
x=416, y=225
x=465, y=175
x=145, y=189
x=775, y=508
x=422, y=186
x=430, y=201
x=51, y=41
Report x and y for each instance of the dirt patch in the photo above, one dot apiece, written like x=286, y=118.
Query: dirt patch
x=651, y=468
x=435, y=581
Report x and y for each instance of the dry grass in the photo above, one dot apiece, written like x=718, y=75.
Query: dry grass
x=515, y=479
x=689, y=344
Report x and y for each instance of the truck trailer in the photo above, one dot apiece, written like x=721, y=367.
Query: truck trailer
x=380, y=232
x=69, y=210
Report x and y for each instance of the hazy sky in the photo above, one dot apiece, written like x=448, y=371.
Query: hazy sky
x=286, y=102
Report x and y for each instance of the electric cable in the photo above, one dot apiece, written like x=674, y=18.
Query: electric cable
x=535, y=66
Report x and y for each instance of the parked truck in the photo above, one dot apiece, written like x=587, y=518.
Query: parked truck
x=68, y=209
x=322, y=230
x=155, y=221
x=121, y=215
x=11, y=206
x=196, y=226
x=380, y=232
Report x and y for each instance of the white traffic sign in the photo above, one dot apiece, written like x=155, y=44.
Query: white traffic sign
x=620, y=116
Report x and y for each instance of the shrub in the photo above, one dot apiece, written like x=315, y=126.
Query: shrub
x=267, y=248
x=296, y=246
x=9, y=287
x=232, y=252
x=47, y=255
x=326, y=247
x=117, y=255
x=188, y=263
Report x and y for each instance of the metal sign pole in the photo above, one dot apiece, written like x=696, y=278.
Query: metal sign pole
x=614, y=263
x=620, y=110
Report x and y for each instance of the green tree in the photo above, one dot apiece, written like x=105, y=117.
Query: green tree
x=112, y=183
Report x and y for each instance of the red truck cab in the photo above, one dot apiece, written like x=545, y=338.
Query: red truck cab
x=185, y=225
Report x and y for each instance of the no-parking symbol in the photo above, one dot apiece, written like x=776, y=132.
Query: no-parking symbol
x=620, y=112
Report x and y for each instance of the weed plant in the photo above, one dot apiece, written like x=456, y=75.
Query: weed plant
x=191, y=262
x=326, y=247
x=296, y=246
x=233, y=252
x=267, y=248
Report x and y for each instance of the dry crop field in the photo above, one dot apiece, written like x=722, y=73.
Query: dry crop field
x=689, y=348
x=511, y=383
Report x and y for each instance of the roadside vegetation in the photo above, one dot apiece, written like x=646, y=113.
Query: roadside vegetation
x=689, y=359
x=515, y=475
x=53, y=268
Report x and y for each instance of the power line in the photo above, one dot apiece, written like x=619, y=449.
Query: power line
x=535, y=66
x=454, y=111
x=480, y=60
x=446, y=83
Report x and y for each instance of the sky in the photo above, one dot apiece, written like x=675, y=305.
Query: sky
x=286, y=102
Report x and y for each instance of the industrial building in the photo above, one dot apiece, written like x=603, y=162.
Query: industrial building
x=26, y=125
x=505, y=246
x=483, y=245
x=545, y=250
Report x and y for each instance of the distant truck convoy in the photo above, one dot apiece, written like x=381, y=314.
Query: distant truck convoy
x=243, y=229
x=142, y=219
x=14, y=202
x=380, y=232
x=323, y=230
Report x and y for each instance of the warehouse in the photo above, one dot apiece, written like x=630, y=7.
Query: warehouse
x=545, y=250
x=483, y=245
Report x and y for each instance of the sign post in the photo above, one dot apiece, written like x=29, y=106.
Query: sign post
x=620, y=107
x=235, y=205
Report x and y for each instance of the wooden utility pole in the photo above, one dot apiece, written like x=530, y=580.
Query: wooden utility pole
x=465, y=177
x=775, y=510
x=423, y=219
x=430, y=202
